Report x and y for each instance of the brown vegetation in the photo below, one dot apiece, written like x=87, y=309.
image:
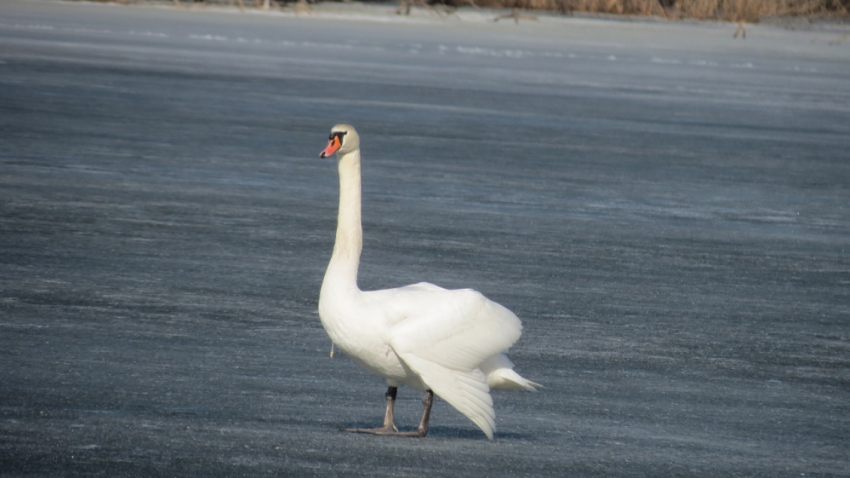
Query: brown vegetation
x=732, y=10
x=729, y=10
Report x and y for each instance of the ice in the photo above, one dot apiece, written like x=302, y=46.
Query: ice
x=664, y=206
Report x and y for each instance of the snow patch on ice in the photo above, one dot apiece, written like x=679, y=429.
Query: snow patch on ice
x=27, y=26
x=90, y=30
x=702, y=63
x=87, y=447
x=326, y=45
x=676, y=61
x=208, y=37
x=148, y=34
x=670, y=61
x=499, y=53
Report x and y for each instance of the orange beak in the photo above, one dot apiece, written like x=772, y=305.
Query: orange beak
x=333, y=145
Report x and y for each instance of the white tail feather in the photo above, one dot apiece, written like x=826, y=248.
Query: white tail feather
x=500, y=375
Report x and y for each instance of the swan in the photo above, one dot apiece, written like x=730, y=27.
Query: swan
x=445, y=342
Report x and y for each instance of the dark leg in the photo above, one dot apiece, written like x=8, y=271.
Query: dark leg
x=427, y=400
x=389, y=428
x=388, y=414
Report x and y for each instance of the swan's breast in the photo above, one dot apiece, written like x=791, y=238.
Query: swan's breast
x=362, y=333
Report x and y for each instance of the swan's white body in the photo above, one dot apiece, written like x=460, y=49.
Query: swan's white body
x=421, y=335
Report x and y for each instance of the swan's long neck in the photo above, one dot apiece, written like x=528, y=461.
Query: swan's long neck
x=342, y=270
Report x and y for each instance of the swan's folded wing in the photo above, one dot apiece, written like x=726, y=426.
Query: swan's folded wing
x=466, y=391
x=458, y=329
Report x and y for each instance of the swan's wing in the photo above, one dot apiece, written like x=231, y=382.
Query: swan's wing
x=446, y=339
x=423, y=287
x=458, y=329
x=466, y=391
x=395, y=305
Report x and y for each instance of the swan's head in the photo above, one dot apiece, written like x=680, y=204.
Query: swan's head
x=343, y=140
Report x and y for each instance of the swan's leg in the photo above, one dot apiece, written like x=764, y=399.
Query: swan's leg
x=388, y=428
x=422, y=430
x=427, y=400
x=388, y=414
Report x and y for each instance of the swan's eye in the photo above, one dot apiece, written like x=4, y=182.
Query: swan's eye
x=337, y=134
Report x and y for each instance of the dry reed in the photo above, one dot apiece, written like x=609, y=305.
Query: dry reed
x=731, y=10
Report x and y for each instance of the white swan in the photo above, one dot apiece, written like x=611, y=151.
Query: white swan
x=448, y=342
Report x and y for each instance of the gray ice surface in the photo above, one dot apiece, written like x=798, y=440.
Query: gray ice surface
x=666, y=208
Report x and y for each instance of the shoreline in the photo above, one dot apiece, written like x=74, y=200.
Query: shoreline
x=385, y=12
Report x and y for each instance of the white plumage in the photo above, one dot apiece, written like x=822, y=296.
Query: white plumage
x=450, y=342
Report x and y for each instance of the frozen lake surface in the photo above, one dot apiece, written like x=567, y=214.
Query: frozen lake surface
x=666, y=208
